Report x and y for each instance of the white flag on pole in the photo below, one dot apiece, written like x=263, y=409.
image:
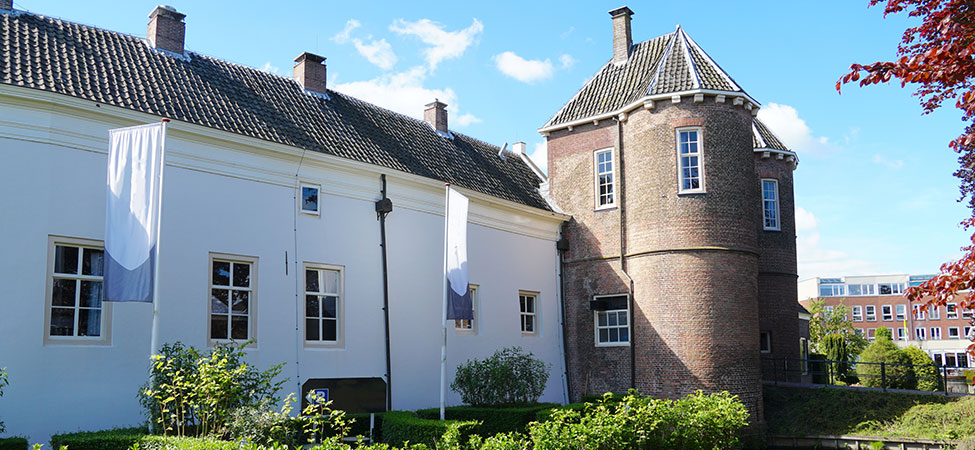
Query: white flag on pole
x=135, y=160
x=459, y=305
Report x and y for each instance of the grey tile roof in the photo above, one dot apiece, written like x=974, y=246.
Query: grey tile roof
x=665, y=64
x=762, y=137
x=121, y=70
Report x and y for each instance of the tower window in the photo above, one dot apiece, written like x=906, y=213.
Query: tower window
x=690, y=165
x=770, y=204
x=605, y=179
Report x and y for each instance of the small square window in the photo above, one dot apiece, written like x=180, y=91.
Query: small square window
x=954, y=333
x=310, y=199
x=765, y=341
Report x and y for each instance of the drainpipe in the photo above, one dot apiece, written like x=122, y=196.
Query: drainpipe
x=383, y=207
x=621, y=183
x=561, y=246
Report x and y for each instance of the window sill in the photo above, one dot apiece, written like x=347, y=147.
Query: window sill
x=318, y=346
x=772, y=229
x=524, y=334
x=691, y=193
x=311, y=213
x=605, y=208
x=251, y=344
x=51, y=341
x=467, y=332
x=611, y=345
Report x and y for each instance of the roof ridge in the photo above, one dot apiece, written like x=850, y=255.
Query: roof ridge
x=663, y=61
x=692, y=68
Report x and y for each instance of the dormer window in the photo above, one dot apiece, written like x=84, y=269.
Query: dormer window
x=690, y=164
x=605, y=181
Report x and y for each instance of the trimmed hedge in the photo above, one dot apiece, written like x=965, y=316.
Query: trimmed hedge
x=13, y=443
x=361, y=425
x=493, y=420
x=546, y=414
x=400, y=427
x=117, y=439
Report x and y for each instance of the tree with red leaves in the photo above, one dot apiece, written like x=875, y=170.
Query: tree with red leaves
x=939, y=57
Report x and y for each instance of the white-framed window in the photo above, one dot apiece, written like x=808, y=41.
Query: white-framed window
x=967, y=332
x=901, y=312
x=324, y=305
x=832, y=290
x=528, y=305
x=871, y=334
x=919, y=333
x=934, y=312
x=871, y=313
x=770, y=204
x=901, y=334
x=951, y=311
x=74, y=313
x=469, y=326
x=605, y=178
x=967, y=313
x=310, y=201
x=919, y=313
x=690, y=161
x=861, y=289
x=891, y=288
x=232, y=309
x=611, y=320
x=936, y=333
x=857, y=313
x=954, y=333
x=828, y=309
x=858, y=331
x=765, y=341
x=887, y=313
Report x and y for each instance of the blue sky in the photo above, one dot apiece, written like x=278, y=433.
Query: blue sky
x=874, y=188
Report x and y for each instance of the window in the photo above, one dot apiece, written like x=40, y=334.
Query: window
x=858, y=331
x=232, y=298
x=966, y=313
x=901, y=312
x=953, y=333
x=918, y=313
x=612, y=327
x=871, y=313
x=901, y=334
x=605, y=181
x=466, y=326
x=324, y=311
x=857, y=313
x=938, y=359
x=891, y=288
x=951, y=311
x=309, y=199
x=765, y=341
x=831, y=290
x=690, y=170
x=936, y=333
x=919, y=333
x=934, y=313
x=74, y=313
x=967, y=333
x=871, y=334
x=887, y=313
x=828, y=309
x=770, y=204
x=804, y=355
x=528, y=303
x=861, y=289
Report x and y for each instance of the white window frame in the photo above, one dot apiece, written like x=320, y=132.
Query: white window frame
x=887, y=313
x=340, y=314
x=777, y=220
x=596, y=327
x=951, y=311
x=465, y=326
x=765, y=340
x=857, y=313
x=870, y=313
x=956, y=334
x=900, y=312
x=105, y=332
x=301, y=199
x=700, y=160
x=596, y=174
x=252, y=299
x=920, y=333
x=901, y=334
x=935, y=333
x=934, y=313
x=919, y=314
x=523, y=315
x=967, y=313
x=967, y=332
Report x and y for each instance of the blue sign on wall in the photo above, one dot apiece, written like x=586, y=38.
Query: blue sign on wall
x=317, y=396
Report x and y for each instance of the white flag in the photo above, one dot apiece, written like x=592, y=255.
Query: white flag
x=459, y=305
x=135, y=160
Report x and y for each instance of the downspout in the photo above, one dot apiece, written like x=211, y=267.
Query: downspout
x=383, y=207
x=561, y=246
x=621, y=183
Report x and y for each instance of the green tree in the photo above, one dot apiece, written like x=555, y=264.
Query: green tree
x=824, y=323
x=883, y=364
x=836, y=348
x=926, y=373
x=3, y=382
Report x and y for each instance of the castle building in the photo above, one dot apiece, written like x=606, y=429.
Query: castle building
x=681, y=262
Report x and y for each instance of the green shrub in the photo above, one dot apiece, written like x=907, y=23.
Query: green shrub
x=359, y=425
x=13, y=443
x=897, y=369
x=817, y=368
x=400, y=427
x=927, y=375
x=838, y=348
x=546, y=414
x=262, y=425
x=508, y=377
x=493, y=420
x=3, y=382
x=116, y=439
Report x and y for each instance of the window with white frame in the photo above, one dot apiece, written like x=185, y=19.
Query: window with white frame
x=919, y=334
x=901, y=312
x=324, y=309
x=74, y=312
x=309, y=199
x=901, y=334
x=951, y=311
x=919, y=313
x=967, y=313
x=770, y=204
x=765, y=341
x=528, y=304
x=469, y=326
x=871, y=313
x=857, y=313
x=605, y=179
x=232, y=298
x=891, y=288
x=861, y=289
x=954, y=333
x=832, y=290
x=611, y=315
x=858, y=331
x=934, y=312
x=887, y=313
x=967, y=333
x=828, y=309
x=690, y=163
x=936, y=333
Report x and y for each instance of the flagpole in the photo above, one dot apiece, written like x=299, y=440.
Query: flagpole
x=443, y=342
x=154, y=340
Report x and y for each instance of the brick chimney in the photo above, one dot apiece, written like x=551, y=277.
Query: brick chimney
x=622, y=39
x=436, y=115
x=310, y=72
x=166, y=29
x=6, y=5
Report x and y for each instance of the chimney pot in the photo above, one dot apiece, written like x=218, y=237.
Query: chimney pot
x=166, y=30
x=519, y=148
x=622, y=38
x=435, y=115
x=310, y=71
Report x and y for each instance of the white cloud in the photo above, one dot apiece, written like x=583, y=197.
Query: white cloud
x=565, y=34
x=405, y=93
x=891, y=164
x=444, y=44
x=267, y=67
x=567, y=61
x=816, y=260
x=785, y=122
x=521, y=69
x=805, y=220
x=379, y=53
x=540, y=156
